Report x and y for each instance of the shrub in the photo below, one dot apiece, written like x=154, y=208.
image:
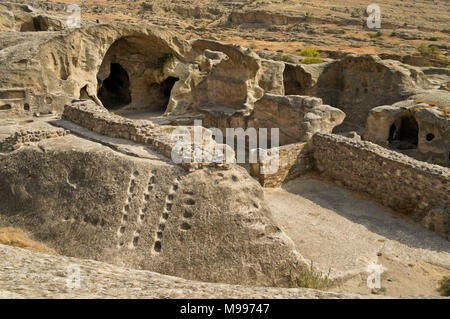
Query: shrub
x=310, y=52
x=444, y=289
x=163, y=59
x=18, y=238
x=285, y=58
x=375, y=35
x=429, y=51
x=311, y=61
x=309, y=278
x=433, y=39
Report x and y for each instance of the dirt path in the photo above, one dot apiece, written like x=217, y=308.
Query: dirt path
x=338, y=230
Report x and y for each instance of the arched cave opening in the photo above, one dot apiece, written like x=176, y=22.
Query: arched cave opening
x=160, y=95
x=296, y=81
x=131, y=79
x=114, y=92
x=404, y=133
x=168, y=84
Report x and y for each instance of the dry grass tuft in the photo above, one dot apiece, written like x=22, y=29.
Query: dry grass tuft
x=17, y=238
x=310, y=278
x=444, y=288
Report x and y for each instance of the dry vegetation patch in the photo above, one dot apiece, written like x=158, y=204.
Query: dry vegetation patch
x=17, y=238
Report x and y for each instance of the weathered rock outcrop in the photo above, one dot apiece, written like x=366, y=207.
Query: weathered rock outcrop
x=356, y=84
x=129, y=67
x=23, y=18
x=37, y=275
x=85, y=200
x=234, y=81
x=418, y=126
x=54, y=74
x=297, y=117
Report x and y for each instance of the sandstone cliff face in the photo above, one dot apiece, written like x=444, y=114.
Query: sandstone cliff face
x=65, y=66
x=85, y=200
x=165, y=73
x=23, y=18
x=297, y=117
x=234, y=81
x=48, y=70
x=356, y=84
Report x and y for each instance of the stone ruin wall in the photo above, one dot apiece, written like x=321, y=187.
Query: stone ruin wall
x=416, y=188
x=432, y=134
x=99, y=120
x=294, y=161
x=16, y=140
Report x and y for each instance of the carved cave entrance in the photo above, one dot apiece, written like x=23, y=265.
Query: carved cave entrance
x=404, y=133
x=130, y=79
x=115, y=89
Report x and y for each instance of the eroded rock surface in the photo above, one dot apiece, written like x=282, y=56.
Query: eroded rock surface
x=36, y=275
x=85, y=200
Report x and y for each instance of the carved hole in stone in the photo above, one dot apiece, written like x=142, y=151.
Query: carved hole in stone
x=429, y=137
x=404, y=133
x=94, y=220
x=188, y=214
x=189, y=201
x=168, y=85
x=26, y=107
x=295, y=81
x=158, y=246
x=185, y=226
x=115, y=89
x=83, y=93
